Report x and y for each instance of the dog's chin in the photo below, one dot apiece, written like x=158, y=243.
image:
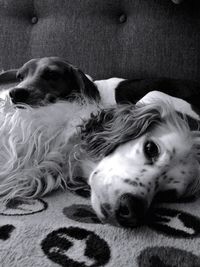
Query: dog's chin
x=36, y=104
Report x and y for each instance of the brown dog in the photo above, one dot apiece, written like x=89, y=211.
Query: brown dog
x=46, y=80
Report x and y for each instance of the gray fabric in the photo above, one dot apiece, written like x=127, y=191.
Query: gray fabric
x=35, y=233
x=129, y=38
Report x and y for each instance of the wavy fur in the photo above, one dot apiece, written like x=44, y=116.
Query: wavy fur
x=43, y=149
x=111, y=127
x=35, y=146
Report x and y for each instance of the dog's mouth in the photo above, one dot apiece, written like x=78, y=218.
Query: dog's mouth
x=20, y=106
x=34, y=100
x=35, y=104
x=144, y=218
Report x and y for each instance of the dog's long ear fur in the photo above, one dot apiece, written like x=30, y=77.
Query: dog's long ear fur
x=103, y=132
x=8, y=76
x=84, y=86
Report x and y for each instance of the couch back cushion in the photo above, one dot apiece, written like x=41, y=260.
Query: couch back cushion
x=129, y=38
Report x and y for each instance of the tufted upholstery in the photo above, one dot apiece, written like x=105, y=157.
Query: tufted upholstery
x=124, y=38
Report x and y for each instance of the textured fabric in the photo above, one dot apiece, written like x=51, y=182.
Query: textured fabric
x=62, y=230
x=124, y=38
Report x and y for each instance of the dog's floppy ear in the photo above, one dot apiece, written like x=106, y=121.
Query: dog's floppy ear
x=8, y=76
x=84, y=85
x=104, y=132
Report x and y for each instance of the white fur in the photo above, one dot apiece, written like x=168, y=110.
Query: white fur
x=34, y=146
x=177, y=103
x=107, y=90
x=4, y=94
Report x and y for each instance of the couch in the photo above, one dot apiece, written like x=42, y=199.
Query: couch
x=105, y=38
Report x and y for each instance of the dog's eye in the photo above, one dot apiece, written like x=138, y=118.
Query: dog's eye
x=151, y=151
x=51, y=75
x=20, y=77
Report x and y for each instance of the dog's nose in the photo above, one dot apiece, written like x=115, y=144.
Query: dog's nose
x=130, y=210
x=18, y=95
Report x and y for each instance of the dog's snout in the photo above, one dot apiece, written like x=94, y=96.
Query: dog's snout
x=130, y=210
x=18, y=95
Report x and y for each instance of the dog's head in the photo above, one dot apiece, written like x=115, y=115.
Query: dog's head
x=141, y=151
x=46, y=80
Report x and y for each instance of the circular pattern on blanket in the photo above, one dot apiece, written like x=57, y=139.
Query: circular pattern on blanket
x=174, y=223
x=5, y=231
x=81, y=213
x=76, y=247
x=21, y=206
x=167, y=257
x=170, y=222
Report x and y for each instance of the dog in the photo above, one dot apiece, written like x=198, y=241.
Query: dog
x=128, y=153
x=142, y=152
x=43, y=81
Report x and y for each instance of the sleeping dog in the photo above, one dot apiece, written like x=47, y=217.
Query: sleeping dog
x=128, y=153
x=46, y=80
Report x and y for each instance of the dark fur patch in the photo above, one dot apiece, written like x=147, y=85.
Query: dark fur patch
x=142, y=185
x=131, y=91
x=130, y=182
x=174, y=151
x=156, y=185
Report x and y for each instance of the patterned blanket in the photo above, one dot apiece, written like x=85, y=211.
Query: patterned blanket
x=62, y=230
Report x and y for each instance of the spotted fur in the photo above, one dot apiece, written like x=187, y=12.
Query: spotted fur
x=114, y=139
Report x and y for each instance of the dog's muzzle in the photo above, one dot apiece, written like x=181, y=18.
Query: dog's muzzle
x=131, y=210
x=19, y=95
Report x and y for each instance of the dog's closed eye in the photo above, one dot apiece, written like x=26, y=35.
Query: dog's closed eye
x=51, y=75
x=20, y=77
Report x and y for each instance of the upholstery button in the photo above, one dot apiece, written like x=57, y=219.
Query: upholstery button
x=122, y=18
x=34, y=20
